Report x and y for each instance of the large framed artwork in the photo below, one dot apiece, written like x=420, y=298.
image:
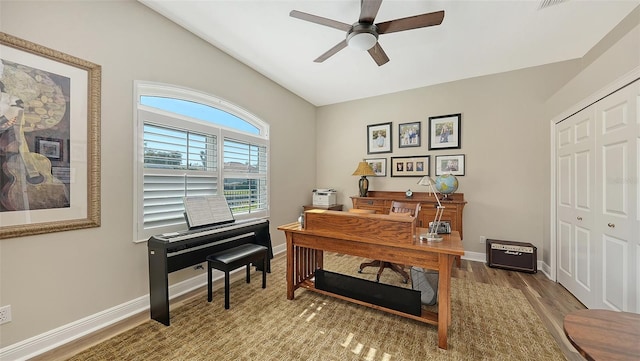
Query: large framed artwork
x=49, y=99
x=379, y=138
x=416, y=166
x=444, y=132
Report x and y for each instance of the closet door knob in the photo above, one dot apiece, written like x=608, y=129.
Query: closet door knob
x=611, y=225
x=579, y=218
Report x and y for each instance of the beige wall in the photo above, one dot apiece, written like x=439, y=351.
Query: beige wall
x=504, y=137
x=55, y=279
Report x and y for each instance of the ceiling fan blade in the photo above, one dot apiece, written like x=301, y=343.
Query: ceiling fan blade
x=378, y=55
x=411, y=22
x=369, y=10
x=320, y=20
x=341, y=45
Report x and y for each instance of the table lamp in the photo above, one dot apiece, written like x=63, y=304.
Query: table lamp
x=363, y=170
x=432, y=236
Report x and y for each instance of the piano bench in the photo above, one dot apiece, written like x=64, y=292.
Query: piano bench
x=231, y=259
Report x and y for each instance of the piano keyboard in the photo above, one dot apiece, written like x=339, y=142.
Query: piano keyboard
x=179, y=236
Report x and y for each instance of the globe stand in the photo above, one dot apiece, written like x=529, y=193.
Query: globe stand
x=445, y=188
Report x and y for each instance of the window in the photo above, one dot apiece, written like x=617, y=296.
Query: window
x=190, y=144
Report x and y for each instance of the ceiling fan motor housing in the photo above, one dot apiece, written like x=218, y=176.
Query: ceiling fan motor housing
x=362, y=36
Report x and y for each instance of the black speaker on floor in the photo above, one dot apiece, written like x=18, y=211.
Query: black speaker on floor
x=396, y=298
x=516, y=256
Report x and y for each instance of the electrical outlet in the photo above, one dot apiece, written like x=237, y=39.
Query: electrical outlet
x=483, y=239
x=5, y=314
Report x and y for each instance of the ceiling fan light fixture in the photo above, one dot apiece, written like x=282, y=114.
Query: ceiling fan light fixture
x=362, y=37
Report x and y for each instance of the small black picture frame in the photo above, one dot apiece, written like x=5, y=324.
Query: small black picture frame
x=450, y=164
x=444, y=132
x=379, y=138
x=409, y=135
x=379, y=166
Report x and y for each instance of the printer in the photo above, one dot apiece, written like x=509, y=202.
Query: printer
x=324, y=197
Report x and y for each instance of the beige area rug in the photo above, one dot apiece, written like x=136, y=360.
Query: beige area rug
x=489, y=323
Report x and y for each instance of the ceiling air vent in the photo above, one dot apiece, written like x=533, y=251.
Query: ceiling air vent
x=547, y=3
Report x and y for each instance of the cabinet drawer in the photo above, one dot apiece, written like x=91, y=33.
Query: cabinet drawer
x=378, y=205
x=379, y=210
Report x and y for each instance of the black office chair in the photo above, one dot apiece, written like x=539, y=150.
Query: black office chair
x=409, y=209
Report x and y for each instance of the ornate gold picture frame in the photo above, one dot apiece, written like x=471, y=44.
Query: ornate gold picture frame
x=47, y=95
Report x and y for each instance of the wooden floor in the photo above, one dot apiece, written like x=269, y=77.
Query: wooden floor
x=550, y=300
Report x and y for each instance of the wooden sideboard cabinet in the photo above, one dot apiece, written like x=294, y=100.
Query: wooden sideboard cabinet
x=334, y=207
x=380, y=201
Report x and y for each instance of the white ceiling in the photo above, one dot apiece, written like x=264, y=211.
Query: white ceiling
x=477, y=37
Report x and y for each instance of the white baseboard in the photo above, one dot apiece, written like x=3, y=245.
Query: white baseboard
x=49, y=340
x=475, y=256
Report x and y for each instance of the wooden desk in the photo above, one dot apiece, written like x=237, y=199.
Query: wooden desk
x=305, y=254
x=604, y=335
x=380, y=201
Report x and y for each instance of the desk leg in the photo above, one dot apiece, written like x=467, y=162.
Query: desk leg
x=444, y=298
x=290, y=264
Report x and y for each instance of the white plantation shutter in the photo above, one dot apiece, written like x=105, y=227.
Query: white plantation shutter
x=178, y=156
x=245, y=170
x=177, y=163
x=163, y=194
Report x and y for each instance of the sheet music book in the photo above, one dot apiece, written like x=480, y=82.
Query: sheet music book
x=207, y=210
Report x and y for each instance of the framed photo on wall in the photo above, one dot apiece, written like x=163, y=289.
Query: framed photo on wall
x=416, y=166
x=409, y=135
x=444, y=132
x=379, y=166
x=450, y=164
x=379, y=138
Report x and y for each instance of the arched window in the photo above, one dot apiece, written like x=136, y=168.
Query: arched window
x=191, y=144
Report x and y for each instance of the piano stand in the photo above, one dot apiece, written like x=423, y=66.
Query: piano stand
x=169, y=255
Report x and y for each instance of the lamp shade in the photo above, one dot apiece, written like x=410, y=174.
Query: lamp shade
x=364, y=169
x=425, y=181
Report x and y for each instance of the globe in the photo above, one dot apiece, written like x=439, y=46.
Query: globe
x=446, y=184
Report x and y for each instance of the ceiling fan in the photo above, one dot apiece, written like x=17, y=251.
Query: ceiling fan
x=364, y=33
